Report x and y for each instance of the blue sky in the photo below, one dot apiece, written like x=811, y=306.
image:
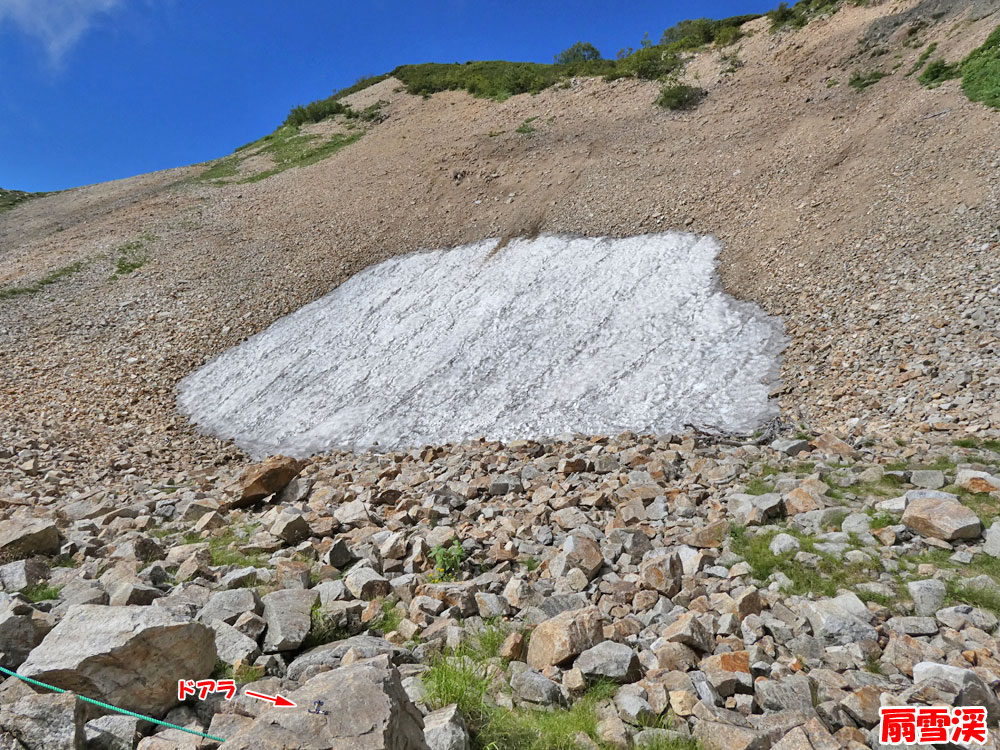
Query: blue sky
x=94, y=90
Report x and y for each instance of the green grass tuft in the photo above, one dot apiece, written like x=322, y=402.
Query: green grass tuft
x=50, y=278
x=41, y=592
x=922, y=59
x=938, y=72
x=130, y=257
x=680, y=97
x=860, y=81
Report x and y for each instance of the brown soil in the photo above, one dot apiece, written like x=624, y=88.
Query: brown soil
x=867, y=220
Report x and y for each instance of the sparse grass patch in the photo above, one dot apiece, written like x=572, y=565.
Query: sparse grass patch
x=860, y=81
x=525, y=128
x=830, y=574
x=324, y=629
x=64, y=561
x=928, y=51
x=390, y=618
x=288, y=147
x=881, y=599
x=680, y=97
x=757, y=486
x=51, y=278
x=464, y=678
x=937, y=72
x=881, y=520
x=41, y=592
x=958, y=591
x=225, y=551
x=130, y=257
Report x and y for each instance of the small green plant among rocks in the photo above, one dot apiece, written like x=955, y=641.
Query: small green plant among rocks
x=131, y=256
x=447, y=561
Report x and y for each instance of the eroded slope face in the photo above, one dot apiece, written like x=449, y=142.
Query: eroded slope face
x=544, y=336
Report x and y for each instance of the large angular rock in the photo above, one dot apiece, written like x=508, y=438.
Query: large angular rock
x=232, y=645
x=688, y=631
x=832, y=445
x=610, y=661
x=972, y=691
x=330, y=655
x=46, y=722
x=266, y=478
x=928, y=596
x=708, y=536
x=564, y=636
x=19, y=575
x=663, y=574
x=977, y=481
x=365, y=583
x=714, y=735
x=991, y=544
x=583, y=553
x=366, y=709
x=533, y=687
x=792, y=693
x=24, y=537
x=289, y=616
x=840, y=621
x=941, y=518
x=445, y=730
x=131, y=657
x=227, y=606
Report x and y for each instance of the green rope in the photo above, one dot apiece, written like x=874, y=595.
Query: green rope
x=109, y=707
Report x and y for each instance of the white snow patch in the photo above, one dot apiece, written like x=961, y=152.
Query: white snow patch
x=548, y=335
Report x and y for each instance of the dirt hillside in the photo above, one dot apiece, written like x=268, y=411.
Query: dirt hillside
x=866, y=219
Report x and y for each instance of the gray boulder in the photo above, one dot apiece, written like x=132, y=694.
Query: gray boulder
x=611, y=661
x=533, y=687
x=366, y=709
x=446, y=730
x=288, y=614
x=928, y=596
x=46, y=722
x=24, y=537
x=131, y=657
x=972, y=691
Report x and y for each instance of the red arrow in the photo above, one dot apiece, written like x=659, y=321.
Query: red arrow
x=277, y=700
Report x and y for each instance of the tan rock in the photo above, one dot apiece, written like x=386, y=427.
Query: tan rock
x=832, y=445
x=662, y=574
x=711, y=535
x=266, y=478
x=941, y=518
x=801, y=500
x=564, y=636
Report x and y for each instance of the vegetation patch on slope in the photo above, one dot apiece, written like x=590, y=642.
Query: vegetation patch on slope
x=11, y=198
x=287, y=146
x=36, y=286
x=979, y=71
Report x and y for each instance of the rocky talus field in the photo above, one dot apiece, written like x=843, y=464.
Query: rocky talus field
x=696, y=590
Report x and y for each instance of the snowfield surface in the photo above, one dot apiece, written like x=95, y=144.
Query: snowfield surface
x=548, y=335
